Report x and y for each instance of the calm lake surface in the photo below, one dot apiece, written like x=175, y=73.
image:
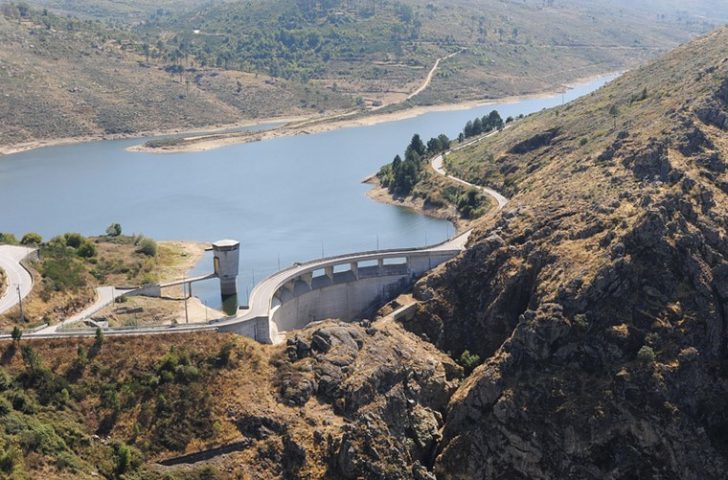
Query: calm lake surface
x=287, y=199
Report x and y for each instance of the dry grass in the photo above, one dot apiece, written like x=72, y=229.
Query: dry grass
x=116, y=263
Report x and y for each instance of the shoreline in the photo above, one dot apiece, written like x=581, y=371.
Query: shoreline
x=196, y=131
x=217, y=136
x=322, y=125
x=380, y=194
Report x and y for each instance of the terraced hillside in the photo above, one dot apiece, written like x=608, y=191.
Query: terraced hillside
x=64, y=77
x=130, y=67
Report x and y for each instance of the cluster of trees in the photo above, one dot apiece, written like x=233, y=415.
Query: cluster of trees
x=300, y=41
x=164, y=398
x=481, y=125
x=30, y=239
x=400, y=176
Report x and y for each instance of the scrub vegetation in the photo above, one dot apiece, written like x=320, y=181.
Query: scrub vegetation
x=71, y=266
x=84, y=408
x=99, y=68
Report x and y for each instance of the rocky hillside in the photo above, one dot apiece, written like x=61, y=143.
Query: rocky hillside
x=597, y=301
x=339, y=401
x=598, y=298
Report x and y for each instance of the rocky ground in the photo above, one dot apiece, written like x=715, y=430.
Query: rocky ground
x=598, y=297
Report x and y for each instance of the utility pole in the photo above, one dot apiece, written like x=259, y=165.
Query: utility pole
x=205, y=303
x=20, y=300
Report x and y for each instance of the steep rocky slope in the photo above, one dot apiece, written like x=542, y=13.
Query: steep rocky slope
x=599, y=297
x=339, y=401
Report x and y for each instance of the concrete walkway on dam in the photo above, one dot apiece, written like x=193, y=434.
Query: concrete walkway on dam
x=256, y=322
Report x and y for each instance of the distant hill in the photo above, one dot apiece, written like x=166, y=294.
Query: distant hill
x=64, y=77
x=129, y=67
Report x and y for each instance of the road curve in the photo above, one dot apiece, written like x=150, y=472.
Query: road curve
x=439, y=167
x=17, y=275
x=260, y=297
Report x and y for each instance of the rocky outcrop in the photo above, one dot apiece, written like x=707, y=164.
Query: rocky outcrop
x=390, y=388
x=714, y=111
x=537, y=141
x=598, y=299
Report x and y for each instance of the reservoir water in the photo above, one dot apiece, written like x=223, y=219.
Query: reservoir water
x=287, y=199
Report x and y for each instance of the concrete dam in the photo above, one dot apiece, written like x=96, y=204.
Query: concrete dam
x=346, y=287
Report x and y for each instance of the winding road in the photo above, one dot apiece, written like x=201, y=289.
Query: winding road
x=430, y=75
x=16, y=275
x=438, y=165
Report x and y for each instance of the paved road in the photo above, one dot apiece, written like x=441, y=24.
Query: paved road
x=17, y=275
x=437, y=165
x=260, y=297
x=104, y=296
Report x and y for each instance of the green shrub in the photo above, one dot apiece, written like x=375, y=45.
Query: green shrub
x=113, y=230
x=147, y=246
x=186, y=373
x=5, y=406
x=41, y=438
x=86, y=250
x=224, y=357
x=8, y=239
x=74, y=240
x=122, y=454
x=9, y=459
x=581, y=321
x=67, y=461
x=469, y=361
x=21, y=402
x=646, y=355
x=31, y=238
x=61, y=269
x=6, y=381
x=99, y=338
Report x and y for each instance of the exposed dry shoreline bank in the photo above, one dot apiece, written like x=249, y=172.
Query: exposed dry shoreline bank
x=380, y=194
x=216, y=136
x=315, y=125
x=209, y=130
